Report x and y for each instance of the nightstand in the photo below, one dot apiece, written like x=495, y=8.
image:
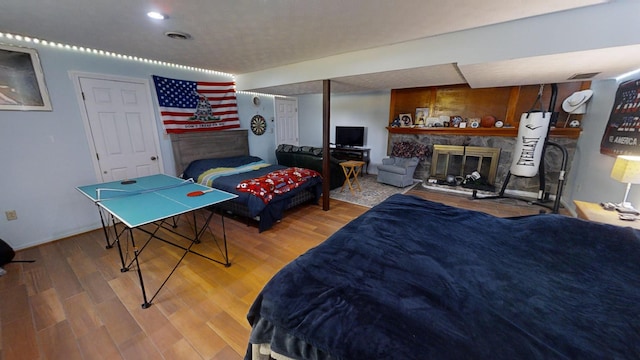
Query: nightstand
x=351, y=170
x=595, y=212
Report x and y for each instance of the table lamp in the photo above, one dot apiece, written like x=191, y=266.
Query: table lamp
x=626, y=169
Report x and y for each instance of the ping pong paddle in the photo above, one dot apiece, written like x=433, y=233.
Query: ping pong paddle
x=199, y=192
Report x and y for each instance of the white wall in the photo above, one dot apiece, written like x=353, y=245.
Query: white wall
x=310, y=120
x=45, y=155
x=263, y=145
x=370, y=109
x=590, y=178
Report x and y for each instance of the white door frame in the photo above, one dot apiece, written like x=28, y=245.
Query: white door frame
x=75, y=78
x=278, y=121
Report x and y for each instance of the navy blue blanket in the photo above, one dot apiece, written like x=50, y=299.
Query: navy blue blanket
x=413, y=279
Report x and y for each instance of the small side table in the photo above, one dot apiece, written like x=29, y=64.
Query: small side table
x=351, y=169
x=595, y=212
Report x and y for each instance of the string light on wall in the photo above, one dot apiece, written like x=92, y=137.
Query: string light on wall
x=255, y=93
x=27, y=39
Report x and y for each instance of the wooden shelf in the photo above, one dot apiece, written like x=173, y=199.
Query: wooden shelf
x=572, y=133
x=505, y=103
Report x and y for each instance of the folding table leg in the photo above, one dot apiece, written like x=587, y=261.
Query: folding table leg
x=104, y=229
x=146, y=303
x=226, y=252
x=198, y=232
x=117, y=234
x=116, y=240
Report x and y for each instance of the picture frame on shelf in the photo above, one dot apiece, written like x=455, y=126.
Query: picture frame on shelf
x=22, y=85
x=434, y=122
x=406, y=120
x=421, y=116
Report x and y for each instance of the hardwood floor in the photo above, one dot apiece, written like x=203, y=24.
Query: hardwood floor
x=504, y=207
x=74, y=303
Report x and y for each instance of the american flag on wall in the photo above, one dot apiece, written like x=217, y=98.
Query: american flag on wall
x=196, y=105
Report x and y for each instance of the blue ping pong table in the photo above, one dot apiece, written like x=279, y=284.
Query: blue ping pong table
x=154, y=200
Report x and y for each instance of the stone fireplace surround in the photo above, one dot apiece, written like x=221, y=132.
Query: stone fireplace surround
x=463, y=160
x=553, y=158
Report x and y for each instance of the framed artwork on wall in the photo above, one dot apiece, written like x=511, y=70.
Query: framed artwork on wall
x=621, y=134
x=421, y=116
x=405, y=120
x=22, y=85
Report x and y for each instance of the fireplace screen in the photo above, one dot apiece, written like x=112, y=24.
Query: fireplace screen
x=463, y=160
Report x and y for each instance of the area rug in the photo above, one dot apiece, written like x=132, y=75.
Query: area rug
x=372, y=192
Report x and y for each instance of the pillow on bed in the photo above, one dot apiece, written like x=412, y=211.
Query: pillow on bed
x=197, y=167
x=317, y=151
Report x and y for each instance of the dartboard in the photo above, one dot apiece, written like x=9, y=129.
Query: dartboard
x=258, y=125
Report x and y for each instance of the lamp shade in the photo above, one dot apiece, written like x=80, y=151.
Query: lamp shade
x=626, y=169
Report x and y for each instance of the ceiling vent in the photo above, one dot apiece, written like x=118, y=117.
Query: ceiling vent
x=583, y=76
x=177, y=35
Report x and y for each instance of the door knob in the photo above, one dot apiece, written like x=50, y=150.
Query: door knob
x=153, y=158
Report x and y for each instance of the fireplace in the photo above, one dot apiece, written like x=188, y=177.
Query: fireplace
x=461, y=161
x=524, y=185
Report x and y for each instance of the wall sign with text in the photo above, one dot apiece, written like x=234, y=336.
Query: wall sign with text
x=622, y=135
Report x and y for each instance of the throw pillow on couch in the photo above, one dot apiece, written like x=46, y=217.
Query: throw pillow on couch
x=309, y=157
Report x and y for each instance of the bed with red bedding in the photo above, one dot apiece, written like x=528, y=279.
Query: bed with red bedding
x=264, y=191
x=223, y=161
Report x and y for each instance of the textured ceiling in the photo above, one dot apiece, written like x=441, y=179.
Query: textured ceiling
x=245, y=36
x=415, y=77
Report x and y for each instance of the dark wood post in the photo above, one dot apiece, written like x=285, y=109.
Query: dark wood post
x=326, y=151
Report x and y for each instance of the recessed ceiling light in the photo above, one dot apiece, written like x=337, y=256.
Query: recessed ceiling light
x=156, y=15
x=177, y=35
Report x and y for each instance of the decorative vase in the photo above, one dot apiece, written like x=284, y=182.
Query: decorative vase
x=488, y=121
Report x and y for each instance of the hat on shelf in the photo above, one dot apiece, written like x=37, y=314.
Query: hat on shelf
x=577, y=102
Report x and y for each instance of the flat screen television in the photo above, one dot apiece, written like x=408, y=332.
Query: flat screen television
x=347, y=136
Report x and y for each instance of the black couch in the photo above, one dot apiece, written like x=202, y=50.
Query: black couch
x=310, y=158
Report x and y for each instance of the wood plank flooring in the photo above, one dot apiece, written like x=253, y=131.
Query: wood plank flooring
x=75, y=303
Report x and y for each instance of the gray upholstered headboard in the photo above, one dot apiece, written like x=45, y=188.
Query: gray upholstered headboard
x=188, y=147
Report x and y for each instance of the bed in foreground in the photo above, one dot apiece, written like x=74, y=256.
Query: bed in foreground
x=414, y=279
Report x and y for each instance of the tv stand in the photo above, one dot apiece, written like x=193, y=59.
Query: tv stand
x=352, y=153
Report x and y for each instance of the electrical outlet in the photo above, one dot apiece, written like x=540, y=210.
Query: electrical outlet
x=11, y=215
